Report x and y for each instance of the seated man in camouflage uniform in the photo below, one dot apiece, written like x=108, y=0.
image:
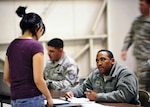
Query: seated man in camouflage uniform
x=61, y=71
x=109, y=82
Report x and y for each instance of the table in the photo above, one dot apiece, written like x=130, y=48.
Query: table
x=58, y=94
x=120, y=105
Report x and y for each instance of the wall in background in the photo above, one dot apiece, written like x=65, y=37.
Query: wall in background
x=121, y=14
x=84, y=25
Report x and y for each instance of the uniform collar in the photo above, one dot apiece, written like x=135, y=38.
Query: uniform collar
x=60, y=61
x=145, y=19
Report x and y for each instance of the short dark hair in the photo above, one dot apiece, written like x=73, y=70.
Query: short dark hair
x=56, y=42
x=29, y=21
x=110, y=54
x=148, y=1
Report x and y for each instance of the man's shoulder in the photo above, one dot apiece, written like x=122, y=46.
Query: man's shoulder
x=69, y=59
x=142, y=18
x=49, y=61
x=95, y=71
x=122, y=69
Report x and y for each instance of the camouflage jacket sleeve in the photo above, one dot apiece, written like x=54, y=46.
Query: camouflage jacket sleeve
x=65, y=77
x=128, y=40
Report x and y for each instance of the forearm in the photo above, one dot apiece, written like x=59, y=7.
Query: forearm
x=7, y=82
x=78, y=91
x=59, y=84
x=127, y=42
x=114, y=96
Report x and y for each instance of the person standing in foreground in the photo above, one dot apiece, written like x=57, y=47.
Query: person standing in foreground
x=23, y=69
x=61, y=71
x=139, y=34
x=109, y=82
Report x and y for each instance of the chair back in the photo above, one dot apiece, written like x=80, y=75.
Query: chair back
x=81, y=80
x=144, y=98
x=4, y=88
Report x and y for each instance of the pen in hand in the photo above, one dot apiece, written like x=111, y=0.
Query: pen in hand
x=64, y=98
x=90, y=94
x=88, y=91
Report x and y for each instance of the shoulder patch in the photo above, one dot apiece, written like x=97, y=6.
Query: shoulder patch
x=71, y=76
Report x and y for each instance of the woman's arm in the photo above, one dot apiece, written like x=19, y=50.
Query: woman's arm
x=38, y=77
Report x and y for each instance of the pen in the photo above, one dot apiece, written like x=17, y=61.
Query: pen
x=88, y=90
x=64, y=98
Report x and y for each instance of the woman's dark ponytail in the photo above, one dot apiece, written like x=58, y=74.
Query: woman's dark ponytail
x=30, y=21
x=21, y=11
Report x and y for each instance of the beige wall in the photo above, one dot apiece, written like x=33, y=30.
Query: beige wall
x=78, y=23
x=121, y=14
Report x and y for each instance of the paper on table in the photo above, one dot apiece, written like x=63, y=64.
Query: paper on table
x=58, y=102
x=85, y=102
x=78, y=100
x=93, y=104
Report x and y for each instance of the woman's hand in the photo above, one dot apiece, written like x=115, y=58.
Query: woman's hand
x=49, y=103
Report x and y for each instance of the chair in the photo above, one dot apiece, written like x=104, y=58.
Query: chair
x=144, y=98
x=4, y=91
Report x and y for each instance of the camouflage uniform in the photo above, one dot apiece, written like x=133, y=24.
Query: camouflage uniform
x=140, y=36
x=120, y=86
x=61, y=75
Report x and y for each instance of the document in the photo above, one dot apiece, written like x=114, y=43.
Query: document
x=93, y=104
x=78, y=100
x=85, y=102
x=58, y=102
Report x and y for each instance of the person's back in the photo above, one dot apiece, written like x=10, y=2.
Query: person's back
x=23, y=68
x=20, y=53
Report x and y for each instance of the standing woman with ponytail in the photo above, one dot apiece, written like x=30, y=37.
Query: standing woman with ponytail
x=23, y=69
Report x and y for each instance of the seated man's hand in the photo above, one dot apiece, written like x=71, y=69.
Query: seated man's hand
x=91, y=95
x=69, y=94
